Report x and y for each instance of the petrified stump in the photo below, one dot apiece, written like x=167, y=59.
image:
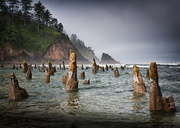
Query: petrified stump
x=82, y=68
x=20, y=66
x=156, y=101
x=110, y=66
x=29, y=74
x=112, y=69
x=94, y=67
x=54, y=69
x=35, y=66
x=43, y=67
x=25, y=67
x=47, y=76
x=102, y=69
x=82, y=75
x=87, y=67
x=59, y=66
x=116, y=72
x=86, y=81
x=64, y=78
x=122, y=67
x=63, y=66
x=147, y=73
x=15, y=91
x=138, y=84
x=72, y=82
x=14, y=67
x=106, y=67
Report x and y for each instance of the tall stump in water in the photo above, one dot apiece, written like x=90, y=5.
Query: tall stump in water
x=47, y=76
x=116, y=72
x=72, y=82
x=25, y=67
x=15, y=91
x=63, y=66
x=138, y=84
x=156, y=101
x=42, y=68
x=147, y=73
x=94, y=67
x=29, y=74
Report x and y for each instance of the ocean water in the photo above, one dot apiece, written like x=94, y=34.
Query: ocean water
x=107, y=101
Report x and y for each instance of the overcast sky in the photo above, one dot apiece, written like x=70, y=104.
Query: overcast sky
x=131, y=31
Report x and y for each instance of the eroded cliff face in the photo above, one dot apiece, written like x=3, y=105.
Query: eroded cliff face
x=7, y=53
x=60, y=52
x=54, y=52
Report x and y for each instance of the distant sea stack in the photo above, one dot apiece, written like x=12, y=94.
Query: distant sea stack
x=107, y=59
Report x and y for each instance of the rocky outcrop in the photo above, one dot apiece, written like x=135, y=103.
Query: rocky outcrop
x=15, y=91
x=107, y=59
x=82, y=75
x=47, y=76
x=156, y=101
x=72, y=82
x=138, y=84
x=86, y=81
x=29, y=74
x=116, y=72
x=94, y=67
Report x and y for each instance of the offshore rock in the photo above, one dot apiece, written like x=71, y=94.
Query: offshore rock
x=106, y=67
x=138, y=84
x=82, y=75
x=94, y=67
x=47, y=76
x=29, y=74
x=86, y=81
x=64, y=78
x=116, y=72
x=25, y=67
x=147, y=73
x=156, y=101
x=72, y=82
x=15, y=91
x=107, y=59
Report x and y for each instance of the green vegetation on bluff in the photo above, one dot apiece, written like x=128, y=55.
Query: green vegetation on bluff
x=29, y=27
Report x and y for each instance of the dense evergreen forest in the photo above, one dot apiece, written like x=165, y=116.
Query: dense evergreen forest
x=32, y=27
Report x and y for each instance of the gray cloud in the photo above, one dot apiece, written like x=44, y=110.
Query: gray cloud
x=128, y=30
